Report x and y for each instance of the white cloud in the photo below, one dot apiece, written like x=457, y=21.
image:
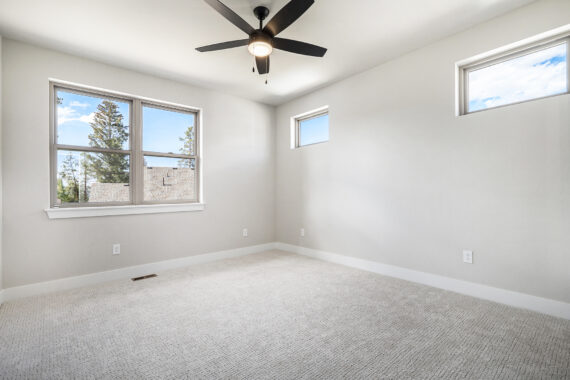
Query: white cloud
x=75, y=103
x=87, y=118
x=66, y=114
x=531, y=76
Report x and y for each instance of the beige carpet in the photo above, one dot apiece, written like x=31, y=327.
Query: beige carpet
x=280, y=316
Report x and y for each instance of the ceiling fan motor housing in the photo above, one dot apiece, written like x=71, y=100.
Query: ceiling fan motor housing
x=260, y=37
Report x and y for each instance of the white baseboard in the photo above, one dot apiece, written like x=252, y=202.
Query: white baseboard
x=508, y=297
x=126, y=273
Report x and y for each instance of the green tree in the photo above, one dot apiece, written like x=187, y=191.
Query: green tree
x=108, y=132
x=85, y=175
x=187, y=147
x=62, y=192
x=68, y=182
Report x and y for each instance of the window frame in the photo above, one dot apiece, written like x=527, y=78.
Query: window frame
x=135, y=152
x=510, y=54
x=195, y=156
x=308, y=116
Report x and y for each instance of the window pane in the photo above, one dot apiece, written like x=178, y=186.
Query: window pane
x=314, y=130
x=167, y=179
x=86, y=177
x=92, y=121
x=531, y=76
x=168, y=131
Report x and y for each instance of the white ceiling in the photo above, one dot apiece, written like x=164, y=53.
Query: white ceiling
x=159, y=37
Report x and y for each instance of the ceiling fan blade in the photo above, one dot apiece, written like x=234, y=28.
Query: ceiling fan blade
x=231, y=16
x=223, y=45
x=287, y=15
x=262, y=64
x=298, y=47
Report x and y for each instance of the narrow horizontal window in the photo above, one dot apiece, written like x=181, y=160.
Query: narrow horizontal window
x=312, y=128
x=537, y=71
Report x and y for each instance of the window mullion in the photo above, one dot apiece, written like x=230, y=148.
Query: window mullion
x=138, y=161
x=170, y=155
x=79, y=148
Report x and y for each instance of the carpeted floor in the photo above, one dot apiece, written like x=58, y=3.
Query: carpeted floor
x=280, y=316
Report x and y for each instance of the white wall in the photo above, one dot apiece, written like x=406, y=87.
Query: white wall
x=403, y=181
x=239, y=160
x=1, y=205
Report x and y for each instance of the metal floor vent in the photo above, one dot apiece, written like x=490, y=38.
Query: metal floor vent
x=144, y=277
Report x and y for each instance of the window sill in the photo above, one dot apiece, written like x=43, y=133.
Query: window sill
x=85, y=212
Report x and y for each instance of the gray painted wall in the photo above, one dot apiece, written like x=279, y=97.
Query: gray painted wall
x=404, y=182
x=1, y=205
x=239, y=162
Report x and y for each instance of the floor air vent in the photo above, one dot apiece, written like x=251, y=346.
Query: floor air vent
x=144, y=277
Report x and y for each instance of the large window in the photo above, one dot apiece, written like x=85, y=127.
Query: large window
x=312, y=128
x=108, y=149
x=536, y=71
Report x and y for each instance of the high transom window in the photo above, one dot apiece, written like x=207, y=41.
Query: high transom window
x=312, y=128
x=535, y=71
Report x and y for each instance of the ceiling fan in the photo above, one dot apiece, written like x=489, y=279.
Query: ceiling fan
x=262, y=41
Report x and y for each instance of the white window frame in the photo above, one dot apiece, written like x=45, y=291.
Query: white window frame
x=137, y=204
x=502, y=55
x=296, y=126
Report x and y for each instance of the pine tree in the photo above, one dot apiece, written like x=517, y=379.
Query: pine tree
x=68, y=183
x=85, y=175
x=188, y=147
x=62, y=192
x=108, y=132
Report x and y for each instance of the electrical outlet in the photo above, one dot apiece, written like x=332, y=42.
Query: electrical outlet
x=244, y=232
x=116, y=249
x=302, y=232
x=468, y=257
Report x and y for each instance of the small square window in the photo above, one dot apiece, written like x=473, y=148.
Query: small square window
x=312, y=128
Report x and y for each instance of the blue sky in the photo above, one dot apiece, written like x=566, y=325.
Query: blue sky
x=74, y=115
x=161, y=128
x=531, y=76
x=314, y=130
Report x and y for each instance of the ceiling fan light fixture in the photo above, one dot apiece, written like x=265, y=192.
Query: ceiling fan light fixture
x=260, y=49
x=260, y=45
